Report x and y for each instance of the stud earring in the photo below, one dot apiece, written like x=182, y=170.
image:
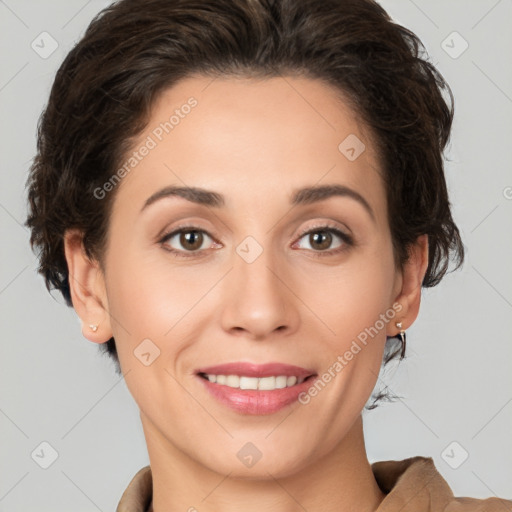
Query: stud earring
x=94, y=328
x=402, y=338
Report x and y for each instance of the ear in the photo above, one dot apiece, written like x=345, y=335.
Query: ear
x=87, y=287
x=409, y=294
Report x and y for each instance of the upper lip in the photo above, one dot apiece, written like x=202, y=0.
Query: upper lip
x=256, y=370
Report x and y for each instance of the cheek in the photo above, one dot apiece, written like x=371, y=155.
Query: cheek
x=134, y=298
x=149, y=305
x=355, y=304
x=152, y=297
x=350, y=298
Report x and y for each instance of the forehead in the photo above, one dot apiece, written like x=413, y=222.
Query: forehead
x=265, y=137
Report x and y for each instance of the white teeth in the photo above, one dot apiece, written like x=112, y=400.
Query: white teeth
x=281, y=381
x=263, y=383
x=267, y=383
x=233, y=381
x=291, y=381
x=249, y=382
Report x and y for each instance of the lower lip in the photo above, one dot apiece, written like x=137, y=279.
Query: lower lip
x=252, y=401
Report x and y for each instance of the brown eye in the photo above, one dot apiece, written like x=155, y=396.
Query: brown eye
x=191, y=240
x=320, y=240
x=187, y=240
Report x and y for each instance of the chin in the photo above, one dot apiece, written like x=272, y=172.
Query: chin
x=248, y=462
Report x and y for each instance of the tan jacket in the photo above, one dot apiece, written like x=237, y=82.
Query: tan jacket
x=411, y=485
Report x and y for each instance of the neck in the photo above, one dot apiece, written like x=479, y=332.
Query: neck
x=341, y=481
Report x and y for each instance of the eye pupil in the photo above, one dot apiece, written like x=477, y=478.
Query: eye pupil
x=322, y=239
x=189, y=239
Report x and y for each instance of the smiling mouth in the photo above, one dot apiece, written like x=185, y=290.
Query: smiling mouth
x=243, y=382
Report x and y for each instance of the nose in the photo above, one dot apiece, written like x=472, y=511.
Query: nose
x=259, y=303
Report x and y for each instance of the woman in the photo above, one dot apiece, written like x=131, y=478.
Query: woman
x=242, y=201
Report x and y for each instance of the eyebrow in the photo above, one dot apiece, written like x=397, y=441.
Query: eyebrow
x=302, y=196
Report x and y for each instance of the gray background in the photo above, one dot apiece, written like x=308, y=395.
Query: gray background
x=455, y=383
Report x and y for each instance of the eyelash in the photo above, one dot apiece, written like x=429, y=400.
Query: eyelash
x=346, y=239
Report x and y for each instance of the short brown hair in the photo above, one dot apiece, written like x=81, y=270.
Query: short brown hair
x=133, y=50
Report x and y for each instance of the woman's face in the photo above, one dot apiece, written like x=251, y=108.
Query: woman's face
x=243, y=284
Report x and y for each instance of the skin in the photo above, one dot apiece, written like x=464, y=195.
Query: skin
x=255, y=142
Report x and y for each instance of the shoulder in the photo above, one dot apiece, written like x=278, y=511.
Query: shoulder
x=415, y=484
x=476, y=505
x=137, y=496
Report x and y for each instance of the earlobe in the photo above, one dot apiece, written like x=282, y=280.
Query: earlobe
x=87, y=287
x=413, y=274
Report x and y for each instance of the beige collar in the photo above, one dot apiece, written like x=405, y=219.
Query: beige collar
x=411, y=485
